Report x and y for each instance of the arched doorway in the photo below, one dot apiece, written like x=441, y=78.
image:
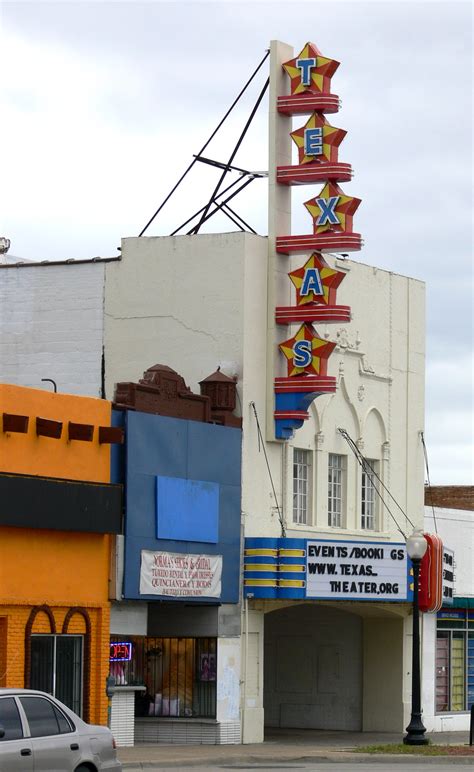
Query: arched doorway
x=313, y=668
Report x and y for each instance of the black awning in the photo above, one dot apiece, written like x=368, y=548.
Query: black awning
x=64, y=505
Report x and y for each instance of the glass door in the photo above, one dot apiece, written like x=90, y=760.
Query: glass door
x=56, y=667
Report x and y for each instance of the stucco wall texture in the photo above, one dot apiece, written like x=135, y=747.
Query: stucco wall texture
x=36, y=455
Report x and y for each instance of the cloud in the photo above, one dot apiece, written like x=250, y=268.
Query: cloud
x=106, y=103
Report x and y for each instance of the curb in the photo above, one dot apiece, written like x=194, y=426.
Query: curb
x=342, y=757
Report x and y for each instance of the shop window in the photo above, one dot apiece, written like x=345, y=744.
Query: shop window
x=369, y=496
x=56, y=667
x=179, y=674
x=336, y=490
x=301, y=486
x=454, y=661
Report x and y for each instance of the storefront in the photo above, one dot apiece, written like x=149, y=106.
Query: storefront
x=179, y=674
x=454, y=686
x=175, y=636
x=58, y=517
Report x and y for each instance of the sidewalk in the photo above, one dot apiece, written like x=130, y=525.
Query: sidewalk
x=280, y=746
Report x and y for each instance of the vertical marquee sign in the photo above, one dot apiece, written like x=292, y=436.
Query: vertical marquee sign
x=315, y=282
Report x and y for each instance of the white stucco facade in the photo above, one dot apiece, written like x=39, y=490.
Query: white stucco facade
x=199, y=302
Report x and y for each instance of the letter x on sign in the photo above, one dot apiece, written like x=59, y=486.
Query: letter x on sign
x=328, y=214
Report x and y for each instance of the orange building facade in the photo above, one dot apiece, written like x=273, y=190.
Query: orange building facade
x=59, y=514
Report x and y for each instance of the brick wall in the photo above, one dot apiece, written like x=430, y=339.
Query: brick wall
x=450, y=496
x=12, y=648
x=51, y=318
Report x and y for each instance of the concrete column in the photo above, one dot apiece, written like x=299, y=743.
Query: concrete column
x=252, y=676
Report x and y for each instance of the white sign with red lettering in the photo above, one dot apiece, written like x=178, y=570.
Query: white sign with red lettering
x=180, y=576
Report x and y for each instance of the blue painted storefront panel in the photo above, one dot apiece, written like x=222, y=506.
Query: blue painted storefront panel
x=184, y=451
x=187, y=510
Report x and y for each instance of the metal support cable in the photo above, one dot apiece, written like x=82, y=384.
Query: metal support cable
x=223, y=203
x=425, y=453
x=223, y=209
x=233, y=154
x=223, y=192
x=241, y=219
x=261, y=443
x=368, y=469
x=205, y=145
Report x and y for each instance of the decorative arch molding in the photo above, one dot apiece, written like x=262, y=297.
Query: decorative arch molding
x=352, y=408
x=45, y=609
x=83, y=612
x=380, y=420
x=64, y=630
x=316, y=414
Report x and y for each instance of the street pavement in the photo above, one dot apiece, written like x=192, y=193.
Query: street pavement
x=293, y=749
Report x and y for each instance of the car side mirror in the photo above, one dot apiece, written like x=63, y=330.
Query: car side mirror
x=2, y=732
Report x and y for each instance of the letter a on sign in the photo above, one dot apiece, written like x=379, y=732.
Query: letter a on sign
x=311, y=282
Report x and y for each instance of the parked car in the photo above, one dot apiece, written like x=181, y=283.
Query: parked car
x=40, y=734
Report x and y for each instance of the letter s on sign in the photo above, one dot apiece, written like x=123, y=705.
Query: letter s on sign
x=302, y=353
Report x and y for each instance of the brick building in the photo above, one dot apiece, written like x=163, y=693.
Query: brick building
x=58, y=514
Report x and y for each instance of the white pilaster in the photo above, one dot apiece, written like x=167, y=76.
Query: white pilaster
x=279, y=219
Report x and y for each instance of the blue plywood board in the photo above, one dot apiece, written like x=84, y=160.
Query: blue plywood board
x=157, y=445
x=223, y=444
x=187, y=451
x=117, y=452
x=187, y=510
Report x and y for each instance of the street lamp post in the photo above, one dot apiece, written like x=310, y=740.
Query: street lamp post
x=416, y=548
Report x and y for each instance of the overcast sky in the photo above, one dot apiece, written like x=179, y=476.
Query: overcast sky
x=105, y=103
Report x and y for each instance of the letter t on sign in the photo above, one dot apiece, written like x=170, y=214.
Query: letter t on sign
x=305, y=66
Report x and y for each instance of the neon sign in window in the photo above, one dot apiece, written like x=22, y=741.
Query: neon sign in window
x=120, y=652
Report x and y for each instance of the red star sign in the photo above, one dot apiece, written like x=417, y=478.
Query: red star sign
x=332, y=210
x=317, y=140
x=306, y=353
x=316, y=281
x=310, y=72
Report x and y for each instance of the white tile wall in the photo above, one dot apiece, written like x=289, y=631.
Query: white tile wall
x=186, y=732
x=122, y=719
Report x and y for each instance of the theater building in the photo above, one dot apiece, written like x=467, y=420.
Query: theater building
x=317, y=343
x=313, y=652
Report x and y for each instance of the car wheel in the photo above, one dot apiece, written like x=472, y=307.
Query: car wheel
x=83, y=768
